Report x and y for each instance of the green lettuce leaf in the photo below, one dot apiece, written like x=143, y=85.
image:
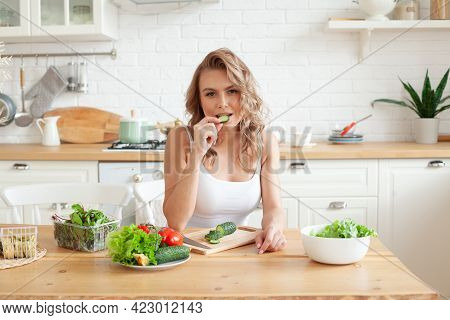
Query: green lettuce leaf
x=129, y=240
x=346, y=228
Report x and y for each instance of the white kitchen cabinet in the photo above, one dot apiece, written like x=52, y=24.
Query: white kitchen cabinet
x=312, y=178
x=290, y=207
x=325, y=210
x=14, y=19
x=414, y=216
x=68, y=20
x=28, y=172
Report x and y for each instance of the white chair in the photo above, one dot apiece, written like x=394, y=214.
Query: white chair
x=149, y=197
x=90, y=195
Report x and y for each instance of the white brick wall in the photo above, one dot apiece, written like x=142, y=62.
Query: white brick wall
x=285, y=44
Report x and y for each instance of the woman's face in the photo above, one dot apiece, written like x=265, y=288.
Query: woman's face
x=218, y=96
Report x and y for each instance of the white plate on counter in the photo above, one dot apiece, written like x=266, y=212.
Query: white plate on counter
x=158, y=267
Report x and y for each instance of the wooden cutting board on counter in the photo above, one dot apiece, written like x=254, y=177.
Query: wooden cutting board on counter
x=86, y=124
x=241, y=237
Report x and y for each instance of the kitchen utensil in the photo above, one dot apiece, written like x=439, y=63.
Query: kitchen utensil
x=444, y=138
x=50, y=135
x=165, y=128
x=23, y=119
x=194, y=243
x=440, y=9
x=333, y=250
x=134, y=130
x=7, y=110
x=351, y=125
x=86, y=124
x=158, y=267
x=45, y=91
x=241, y=237
x=376, y=9
x=407, y=10
x=83, y=85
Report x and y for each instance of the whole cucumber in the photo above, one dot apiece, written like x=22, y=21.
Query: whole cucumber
x=173, y=253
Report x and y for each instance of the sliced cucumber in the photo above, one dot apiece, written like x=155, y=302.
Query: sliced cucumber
x=224, y=118
x=226, y=228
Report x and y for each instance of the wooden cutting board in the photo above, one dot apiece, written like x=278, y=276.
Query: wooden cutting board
x=241, y=237
x=86, y=124
x=444, y=138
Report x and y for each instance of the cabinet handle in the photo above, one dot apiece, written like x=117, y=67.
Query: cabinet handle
x=436, y=164
x=297, y=165
x=64, y=205
x=21, y=166
x=137, y=178
x=158, y=175
x=337, y=205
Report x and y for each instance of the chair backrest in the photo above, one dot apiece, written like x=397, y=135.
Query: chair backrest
x=88, y=194
x=149, y=199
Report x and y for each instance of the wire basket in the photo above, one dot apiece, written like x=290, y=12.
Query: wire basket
x=81, y=238
x=18, y=242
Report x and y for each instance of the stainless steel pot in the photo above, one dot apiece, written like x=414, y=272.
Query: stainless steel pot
x=7, y=110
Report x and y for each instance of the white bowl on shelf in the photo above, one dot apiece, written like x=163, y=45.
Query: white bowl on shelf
x=376, y=9
x=333, y=250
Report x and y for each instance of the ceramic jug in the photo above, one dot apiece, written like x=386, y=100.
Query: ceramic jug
x=50, y=135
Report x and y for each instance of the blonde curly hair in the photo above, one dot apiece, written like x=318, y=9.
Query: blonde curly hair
x=252, y=124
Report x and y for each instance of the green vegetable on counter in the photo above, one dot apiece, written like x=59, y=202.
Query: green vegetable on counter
x=88, y=218
x=129, y=241
x=222, y=230
x=173, y=253
x=346, y=228
x=86, y=230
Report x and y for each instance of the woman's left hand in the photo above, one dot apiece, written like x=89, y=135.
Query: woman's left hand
x=270, y=239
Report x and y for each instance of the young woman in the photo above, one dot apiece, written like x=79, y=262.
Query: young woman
x=217, y=172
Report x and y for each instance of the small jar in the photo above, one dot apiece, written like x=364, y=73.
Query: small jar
x=440, y=9
x=407, y=10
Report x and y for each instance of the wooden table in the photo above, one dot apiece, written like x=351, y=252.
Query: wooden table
x=235, y=274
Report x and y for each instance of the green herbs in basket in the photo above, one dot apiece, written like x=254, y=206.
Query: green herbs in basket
x=346, y=228
x=86, y=230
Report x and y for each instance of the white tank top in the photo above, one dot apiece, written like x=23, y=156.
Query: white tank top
x=219, y=201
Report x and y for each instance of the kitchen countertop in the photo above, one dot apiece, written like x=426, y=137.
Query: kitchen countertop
x=240, y=273
x=323, y=150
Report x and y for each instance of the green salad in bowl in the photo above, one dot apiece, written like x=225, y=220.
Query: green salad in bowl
x=341, y=242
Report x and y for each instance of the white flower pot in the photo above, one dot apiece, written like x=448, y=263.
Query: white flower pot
x=427, y=130
x=377, y=9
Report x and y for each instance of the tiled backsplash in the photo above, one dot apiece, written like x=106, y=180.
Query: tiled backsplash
x=294, y=59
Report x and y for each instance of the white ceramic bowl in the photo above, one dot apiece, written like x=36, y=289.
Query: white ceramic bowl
x=333, y=250
x=377, y=9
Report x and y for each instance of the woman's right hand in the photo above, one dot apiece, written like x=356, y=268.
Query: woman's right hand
x=205, y=134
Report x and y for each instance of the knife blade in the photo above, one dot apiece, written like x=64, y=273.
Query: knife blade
x=194, y=243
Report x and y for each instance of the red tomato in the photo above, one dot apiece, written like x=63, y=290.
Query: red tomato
x=144, y=228
x=175, y=239
x=171, y=237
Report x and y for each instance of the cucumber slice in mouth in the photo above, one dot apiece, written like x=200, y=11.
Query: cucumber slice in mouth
x=224, y=118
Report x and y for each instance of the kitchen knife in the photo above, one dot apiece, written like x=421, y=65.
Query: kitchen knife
x=194, y=243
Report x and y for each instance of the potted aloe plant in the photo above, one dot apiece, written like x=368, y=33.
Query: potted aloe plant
x=427, y=107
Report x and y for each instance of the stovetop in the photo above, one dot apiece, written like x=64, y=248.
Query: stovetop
x=151, y=145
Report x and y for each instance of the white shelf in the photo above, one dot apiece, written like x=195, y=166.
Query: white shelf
x=366, y=27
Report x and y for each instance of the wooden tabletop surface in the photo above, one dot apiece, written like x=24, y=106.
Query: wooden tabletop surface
x=323, y=150
x=235, y=274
